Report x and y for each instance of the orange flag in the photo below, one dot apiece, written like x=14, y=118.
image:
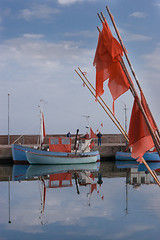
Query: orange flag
x=118, y=82
x=102, y=61
x=147, y=111
x=43, y=132
x=92, y=134
x=139, y=136
x=93, y=186
x=107, y=63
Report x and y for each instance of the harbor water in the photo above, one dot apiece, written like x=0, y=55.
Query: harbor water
x=108, y=200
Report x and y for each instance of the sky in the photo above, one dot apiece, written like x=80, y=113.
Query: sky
x=42, y=42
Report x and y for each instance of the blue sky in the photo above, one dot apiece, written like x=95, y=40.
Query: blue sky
x=42, y=42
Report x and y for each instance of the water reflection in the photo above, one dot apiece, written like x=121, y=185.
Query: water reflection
x=112, y=200
x=137, y=174
x=60, y=176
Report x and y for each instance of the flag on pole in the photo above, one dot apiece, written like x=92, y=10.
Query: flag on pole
x=139, y=136
x=43, y=132
x=101, y=124
x=92, y=134
x=107, y=62
x=147, y=111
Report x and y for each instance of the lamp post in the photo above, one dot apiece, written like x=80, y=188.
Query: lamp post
x=8, y=120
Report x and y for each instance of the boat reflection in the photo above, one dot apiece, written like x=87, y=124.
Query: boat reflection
x=60, y=176
x=137, y=174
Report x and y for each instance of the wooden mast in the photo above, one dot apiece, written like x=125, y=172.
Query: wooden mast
x=110, y=115
x=129, y=63
x=135, y=95
x=114, y=117
x=154, y=175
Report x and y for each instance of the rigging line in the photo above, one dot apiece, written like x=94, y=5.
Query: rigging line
x=24, y=133
x=103, y=102
x=102, y=106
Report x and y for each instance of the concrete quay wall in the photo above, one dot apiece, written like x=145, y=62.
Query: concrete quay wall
x=111, y=143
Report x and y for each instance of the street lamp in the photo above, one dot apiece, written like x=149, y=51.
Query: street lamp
x=8, y=120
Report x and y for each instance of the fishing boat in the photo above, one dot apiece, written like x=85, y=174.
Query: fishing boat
x=45, y=158
x=148, y=156
x=58, y=147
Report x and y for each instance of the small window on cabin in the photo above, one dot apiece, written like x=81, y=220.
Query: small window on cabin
x=65, y=141
x=54, y=141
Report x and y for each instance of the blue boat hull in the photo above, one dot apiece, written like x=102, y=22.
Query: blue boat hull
x=22, y=172
x=148, y=156
x=140, y=166
x=19, y=153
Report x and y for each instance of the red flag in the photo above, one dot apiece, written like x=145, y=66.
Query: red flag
x=147, y=111
x=102, y=61
x=92, y=134
x=43, y=132
x=107, y=62
x=101, y=124
x=139, y=136
x=93, y=186
x=118, y=82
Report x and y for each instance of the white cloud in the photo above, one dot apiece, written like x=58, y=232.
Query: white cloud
x=86, y=33
x=138, y=15
x=38, y=12
x=67, y=2
x=43, y=70
x=133, y=37
x=153, y=59
x=33, y=36
x=130, y=230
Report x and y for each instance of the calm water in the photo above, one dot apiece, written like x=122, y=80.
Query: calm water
x=71, y=204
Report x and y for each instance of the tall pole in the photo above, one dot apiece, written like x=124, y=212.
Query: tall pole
x=9, y=200
x=8, y=121
x=129, y=63
x=125, y=115
x=126, y=137
x=125, y=119
x=110, y=113
x=135, y=95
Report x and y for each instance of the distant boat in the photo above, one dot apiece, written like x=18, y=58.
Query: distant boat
x=148, y=156
x=58, y=146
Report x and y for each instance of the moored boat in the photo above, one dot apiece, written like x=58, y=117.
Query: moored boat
x=45, y=158
x=19, y=153
x=148, y=156
x=58, y=146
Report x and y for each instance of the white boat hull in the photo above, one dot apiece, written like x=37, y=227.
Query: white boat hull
x=35, y=158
